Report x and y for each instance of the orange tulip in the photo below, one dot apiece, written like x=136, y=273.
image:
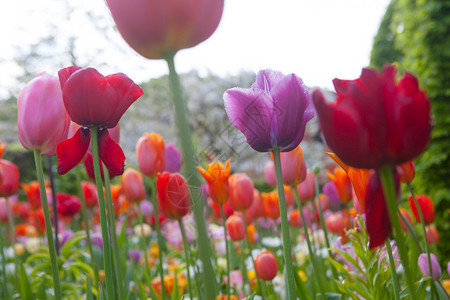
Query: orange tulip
x=293, y=166
x=406, y=172
x=216, y=175
x=133, y=185
x=271, y=205
x=33, y=195
x=151, y=154
x=342, y=182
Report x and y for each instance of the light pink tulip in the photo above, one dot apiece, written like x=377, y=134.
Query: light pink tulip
x=269, y=172
x=42, y=120
x=306, y=189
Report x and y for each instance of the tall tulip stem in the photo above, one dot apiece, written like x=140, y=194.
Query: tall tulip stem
x=54, y=203
x=185, y=136
x=102, y=212
x=424, y=230
x=227, y=250
x=48, y=223
x=143, y=243
x=5, y=280
x=387, y=180
x=290, y=281
x=312, y=256
x=393, y=270
x=186, y=253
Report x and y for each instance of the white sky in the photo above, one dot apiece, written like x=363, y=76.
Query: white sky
x=317, y=39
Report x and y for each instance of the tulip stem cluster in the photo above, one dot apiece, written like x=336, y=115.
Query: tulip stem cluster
x=387, y=180
x=427, y=247
x=186, y=253
x=290, y=283
x=393, y=270
x=48, y=223
x=185, y=136
x=143, y=243
x=227, y=248
x=54, y=204
x=5, y=280
x=102, y=211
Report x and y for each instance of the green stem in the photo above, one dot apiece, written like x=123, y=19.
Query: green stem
x=186, y=253
x=312, y=256
x=159, y=236
x=13, y=238
x=102, y=212
x=424, y=231
x=5, y=280
x=411, y=231
x=143, y=242
x=54, y=203
x=48, y=223
x=113, y=233
x=227, y=251
x=393, y=270
x=387, y=180
x=324, y=227
x=290, y=281
x=185, y=137
x=249, y=245
x=86, y=226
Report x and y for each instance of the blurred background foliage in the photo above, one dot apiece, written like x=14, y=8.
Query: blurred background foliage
x=415, y=34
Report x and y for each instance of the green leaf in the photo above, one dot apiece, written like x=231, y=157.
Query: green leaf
x=70, y=243
x=24, y=284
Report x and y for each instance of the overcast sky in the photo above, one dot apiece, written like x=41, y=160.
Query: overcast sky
x=317, y=39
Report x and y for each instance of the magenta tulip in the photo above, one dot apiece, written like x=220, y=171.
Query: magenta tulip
x=156, y=28
x=94, y=100
x=272, y=113
x=307, y=189
x=42, y=120
x=375, y=121
x=424, y=266
x=173, y=159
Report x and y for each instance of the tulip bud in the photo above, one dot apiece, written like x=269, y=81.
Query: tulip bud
x=235, y=228
x=151, y=154
x=432, y=234
x=90, y=193
x=68, y=205
x=293, y=166
x=406, y=172
x=426, y=206
x=133, y=185
x=335, y=224
x=10, y=183
x=307, y=188
x=269, y=173
x=271, y=205
x=174, y=198
x=425, y=269
x=266, y=266
x=241, y=191
x=173, y=159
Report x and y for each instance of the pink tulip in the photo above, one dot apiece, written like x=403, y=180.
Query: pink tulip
x=306, y=189
x=269, y=172
x=133, y=185
x=424, y=266
x=293, y=166
x=241, y=191
x=42, y=120
x=156, y=28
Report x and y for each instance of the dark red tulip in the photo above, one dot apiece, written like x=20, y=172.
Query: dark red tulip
x=92, y=99
x=406, y=172
x=375, y=121
x=68, y=205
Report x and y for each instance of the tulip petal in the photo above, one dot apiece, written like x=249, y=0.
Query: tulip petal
x=71, y=151
x=110, y=153
x=378, y=223
x=65, y=73
x=267, y=79
x=251, y=111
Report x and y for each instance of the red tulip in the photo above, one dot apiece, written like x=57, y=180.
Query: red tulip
x=307, y=189
x=68, y=205
x=257, y=209
x=157, y=28
x=228, y=211
x=90, y=193
x=235, y=228
x=33, y=194
x=10, y=178
x=432, y=234
x=22, y=210
x=271, y=205
x=405, y=214
x=406, y=172
x=293, y=166
x=174, y=198
x=241, y=191
x=151, y=154
x=94, y=100
x=266, y=266
x=42, y=121
x=375, y=122
x=133, y=185
x=335, y=223
x=426, y=206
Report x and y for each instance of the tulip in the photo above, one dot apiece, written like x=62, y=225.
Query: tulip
x=151, y=154
x=174, y=198
x=378, y=223
x=216, y=175
x=266, y=266
x=68, y=205
x=330, y=191
x=307, y=189
x=335, y=224
x=426, y=206
x=235, y=228
x=154, y=29
x=375, y=122
x=10, y=178
x=406, y=172
x=271, y=205
x=33, y=194
x=293, y=166
x=289, y=196
x=424, y=266
x=269, y=173
x=342, y=182
x=133, y=185
x=42, y=121
x=256, y=210
x=272, y=113
x=90, y=193
x=241, y=191
x=432, y=234
x=296, y=220
x=227, y=210
x=173, y=159
x=405, y=214
x=92, y=100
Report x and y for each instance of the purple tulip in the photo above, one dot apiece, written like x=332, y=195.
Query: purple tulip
x=272, y=113
x=134, y=255
x=146, y=208
x=173, y=159
x=448, y=268
x=330, y=190
x=425, y=269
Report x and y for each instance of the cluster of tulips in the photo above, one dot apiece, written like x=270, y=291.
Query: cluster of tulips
x=238, y=242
